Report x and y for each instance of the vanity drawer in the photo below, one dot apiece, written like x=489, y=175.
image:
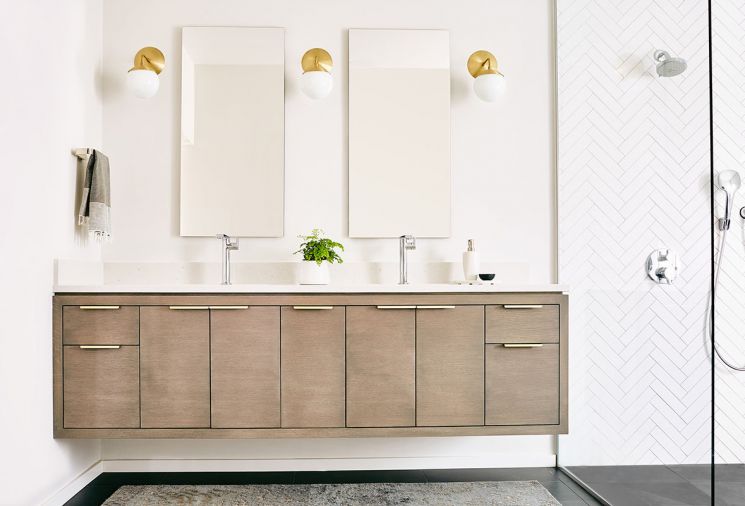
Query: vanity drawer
x=522, y=323
x=522, y=384
x=101, y=387
x=99, y=324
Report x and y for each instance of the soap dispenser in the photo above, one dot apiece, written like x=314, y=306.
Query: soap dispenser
x=470, y=262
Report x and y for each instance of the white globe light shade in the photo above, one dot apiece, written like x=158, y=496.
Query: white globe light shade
x=316, y=83
x=489, y=87
x=143, y=83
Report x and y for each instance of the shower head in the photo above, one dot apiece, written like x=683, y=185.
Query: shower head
x=729, y=182
x=667, y=66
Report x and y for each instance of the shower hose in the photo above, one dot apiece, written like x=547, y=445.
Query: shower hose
x=709, y=323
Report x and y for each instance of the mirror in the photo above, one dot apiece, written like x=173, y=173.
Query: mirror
x=232, y=131
x=399, y=133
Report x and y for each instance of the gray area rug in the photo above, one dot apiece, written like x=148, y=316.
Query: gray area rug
x=502, y=493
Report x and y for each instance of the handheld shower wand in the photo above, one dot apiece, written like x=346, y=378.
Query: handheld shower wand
x=729, y=182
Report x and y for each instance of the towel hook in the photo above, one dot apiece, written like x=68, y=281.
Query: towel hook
x=82, y=153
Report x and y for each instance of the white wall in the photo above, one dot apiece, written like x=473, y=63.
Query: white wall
x=49, y=103
x=503, y=166
x=633, y=177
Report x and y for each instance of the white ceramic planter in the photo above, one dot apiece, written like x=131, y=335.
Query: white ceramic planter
x=310, y=273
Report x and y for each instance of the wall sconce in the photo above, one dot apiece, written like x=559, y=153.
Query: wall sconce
x=142, y=79
x=489, y=83
x=316, y=81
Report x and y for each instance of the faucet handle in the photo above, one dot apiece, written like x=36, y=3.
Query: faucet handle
x=408, y=241
x=228, y=242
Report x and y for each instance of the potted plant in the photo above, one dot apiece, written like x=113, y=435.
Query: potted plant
x=318, y=252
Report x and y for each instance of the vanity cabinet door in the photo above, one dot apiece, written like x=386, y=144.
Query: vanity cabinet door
x=245, y=367
x=101, y=387
x=450, y=365
x=380, y=366
x=312, y=353
x=522, y=384
x=175, y=367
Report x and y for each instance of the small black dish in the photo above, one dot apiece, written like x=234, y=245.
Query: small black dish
x=486, y=277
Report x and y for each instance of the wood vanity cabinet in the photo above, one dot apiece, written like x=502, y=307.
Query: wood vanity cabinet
x=244, y=366
x=450, y=365
x=312, y=360
x=175, y=366
x=381, y=360
x=309, y=365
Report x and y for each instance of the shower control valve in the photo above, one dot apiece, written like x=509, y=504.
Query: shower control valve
x=662, y=266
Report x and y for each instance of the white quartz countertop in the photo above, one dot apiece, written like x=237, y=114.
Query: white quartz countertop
x=281, y=288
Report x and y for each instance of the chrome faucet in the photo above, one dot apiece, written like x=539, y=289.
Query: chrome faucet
x=406, y=242
x=228, y=244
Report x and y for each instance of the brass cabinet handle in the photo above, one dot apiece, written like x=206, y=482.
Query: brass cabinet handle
x=435, y=307
x=523, y=345
x=396, y=307
x=312, y=308
x=523, y=306
x=99, y=347
x=228, y=307
x=187, y=308
x=99, y=307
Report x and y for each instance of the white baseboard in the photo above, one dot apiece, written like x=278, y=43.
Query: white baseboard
x=68, y=491
x=265, y=465
x=333, y=464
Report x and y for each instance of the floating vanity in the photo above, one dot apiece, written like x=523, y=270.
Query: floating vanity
x=269, y=361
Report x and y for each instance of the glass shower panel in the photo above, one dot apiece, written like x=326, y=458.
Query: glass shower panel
x=728, y=120
x=633, y=179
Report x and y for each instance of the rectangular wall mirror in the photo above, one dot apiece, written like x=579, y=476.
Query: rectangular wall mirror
x=399, y=133
x=232, y=131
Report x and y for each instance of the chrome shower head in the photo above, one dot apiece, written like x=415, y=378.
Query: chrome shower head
x=667, y=66
x=729, y=182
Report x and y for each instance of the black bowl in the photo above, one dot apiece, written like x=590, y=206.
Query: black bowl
x=486, y=277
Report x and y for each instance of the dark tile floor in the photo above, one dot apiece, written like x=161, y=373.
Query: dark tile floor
x=559, y=484
x=665, y=485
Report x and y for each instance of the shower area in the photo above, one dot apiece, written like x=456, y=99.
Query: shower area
x=651, y=152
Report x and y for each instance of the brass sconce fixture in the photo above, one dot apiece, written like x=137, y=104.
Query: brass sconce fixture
x=316, y=81
x=489, y=83
x=142, y=79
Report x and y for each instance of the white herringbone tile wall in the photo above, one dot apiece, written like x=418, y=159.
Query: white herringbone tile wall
x=633, y=175
x=728, y=45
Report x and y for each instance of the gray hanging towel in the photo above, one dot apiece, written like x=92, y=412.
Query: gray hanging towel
x=95, y=206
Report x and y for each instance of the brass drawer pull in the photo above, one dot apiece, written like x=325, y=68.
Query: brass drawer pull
x=312, y=308
x=396, y=307
x=99, y=347
x=228, y=307
x=99, y=307
x=523, y=306
x=187, y=308
x=435, y=307
x=523, y=345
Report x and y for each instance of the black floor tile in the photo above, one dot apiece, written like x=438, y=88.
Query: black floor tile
x=561, y=491
x=626, y=474
x=727, y=493
x=404, y=476
x=702, y=472
x=516, y=474
x=651, y=493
